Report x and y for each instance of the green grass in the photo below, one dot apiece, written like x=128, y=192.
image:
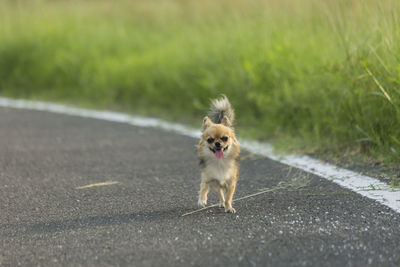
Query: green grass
x=313, y=76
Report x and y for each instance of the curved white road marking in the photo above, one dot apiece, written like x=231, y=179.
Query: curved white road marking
x=361, y=184
x=96, y=184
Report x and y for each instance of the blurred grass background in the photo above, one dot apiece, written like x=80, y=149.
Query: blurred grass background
x=310, y=75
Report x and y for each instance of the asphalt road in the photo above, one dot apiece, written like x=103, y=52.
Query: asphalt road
x=46, y=219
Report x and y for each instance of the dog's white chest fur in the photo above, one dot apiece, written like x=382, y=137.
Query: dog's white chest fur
x=219, y=169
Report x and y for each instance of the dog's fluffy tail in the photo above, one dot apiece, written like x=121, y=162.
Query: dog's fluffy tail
x=220, y=108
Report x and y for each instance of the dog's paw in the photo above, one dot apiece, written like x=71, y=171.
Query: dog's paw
x=230, y=210
x=202, y=203
x=221, y=205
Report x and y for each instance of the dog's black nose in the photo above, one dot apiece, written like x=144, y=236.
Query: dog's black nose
x=217, y=144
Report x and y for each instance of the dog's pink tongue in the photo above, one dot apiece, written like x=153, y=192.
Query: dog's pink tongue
x=219, y=154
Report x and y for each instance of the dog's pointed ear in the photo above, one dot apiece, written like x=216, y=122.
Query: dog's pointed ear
x=206, y=122
x=225, y=121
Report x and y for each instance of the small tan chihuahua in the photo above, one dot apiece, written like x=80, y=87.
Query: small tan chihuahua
x=218, y=152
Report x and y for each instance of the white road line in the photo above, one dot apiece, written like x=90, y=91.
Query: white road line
x=361, y=184
x=96, y=184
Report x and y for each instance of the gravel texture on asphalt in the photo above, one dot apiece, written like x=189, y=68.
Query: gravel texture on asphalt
x=47, y=219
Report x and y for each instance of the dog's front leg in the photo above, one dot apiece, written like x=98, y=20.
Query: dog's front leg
x=204, y=188
x=229, y=196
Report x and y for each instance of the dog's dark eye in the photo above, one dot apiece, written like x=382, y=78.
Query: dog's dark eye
x=224, y=138
x=210, y=140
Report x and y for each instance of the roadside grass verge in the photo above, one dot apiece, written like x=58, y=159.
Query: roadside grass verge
x=313, y=76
